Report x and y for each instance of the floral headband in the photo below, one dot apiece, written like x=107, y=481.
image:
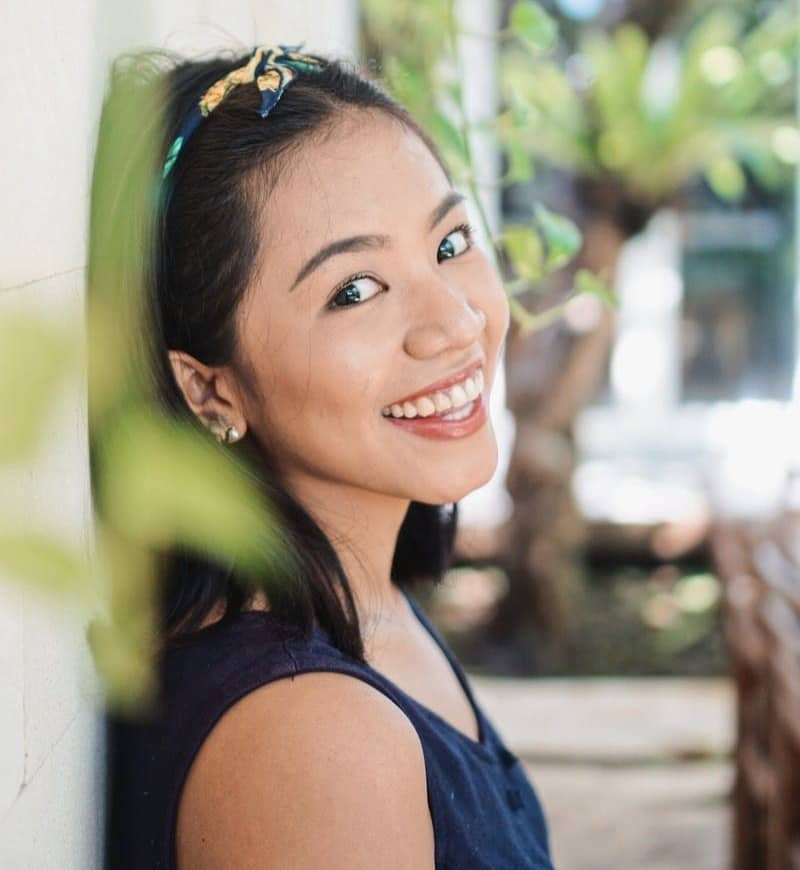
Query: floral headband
x=271, y=67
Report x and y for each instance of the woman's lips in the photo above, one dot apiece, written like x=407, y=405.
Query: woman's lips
x=443, y=383
x=440, y=428
x=443, y=402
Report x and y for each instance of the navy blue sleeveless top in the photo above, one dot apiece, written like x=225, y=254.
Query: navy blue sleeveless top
x=485, y=812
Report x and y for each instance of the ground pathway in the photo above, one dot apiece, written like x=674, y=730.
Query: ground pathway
x=634, y=774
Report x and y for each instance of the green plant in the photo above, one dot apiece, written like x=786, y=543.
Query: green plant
x=647, y=116
x=157, y=482
x=422, y=66
x=651, y=116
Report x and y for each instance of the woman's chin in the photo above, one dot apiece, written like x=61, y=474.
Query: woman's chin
x=457, y=482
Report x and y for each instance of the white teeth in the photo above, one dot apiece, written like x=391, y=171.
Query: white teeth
x=425, y=407
x=460, y=413
x=458, y=397
x=442, y=402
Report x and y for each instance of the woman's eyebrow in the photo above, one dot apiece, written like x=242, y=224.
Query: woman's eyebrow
x=365, y=242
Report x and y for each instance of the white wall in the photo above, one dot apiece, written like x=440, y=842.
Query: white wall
x=490, y=505
x=53, y=58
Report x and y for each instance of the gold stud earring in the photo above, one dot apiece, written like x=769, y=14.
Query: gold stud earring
x=224, y=433
x=231, y=435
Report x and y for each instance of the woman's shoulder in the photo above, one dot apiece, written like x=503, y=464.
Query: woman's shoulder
x=327, y=771
x=236, y=698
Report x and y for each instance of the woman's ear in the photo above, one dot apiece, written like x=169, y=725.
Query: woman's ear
x=209, y=392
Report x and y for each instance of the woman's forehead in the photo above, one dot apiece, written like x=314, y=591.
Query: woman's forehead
x=363, y=176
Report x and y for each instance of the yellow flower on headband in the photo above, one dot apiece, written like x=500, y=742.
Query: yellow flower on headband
x=270, y=81
x=272, y=68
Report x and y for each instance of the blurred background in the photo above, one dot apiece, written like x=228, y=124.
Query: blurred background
x=625, y=592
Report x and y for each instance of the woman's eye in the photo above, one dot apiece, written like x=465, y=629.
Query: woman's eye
x=356, y=290
x=463, y=236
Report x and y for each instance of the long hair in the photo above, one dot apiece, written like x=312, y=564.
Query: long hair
x=196, y=250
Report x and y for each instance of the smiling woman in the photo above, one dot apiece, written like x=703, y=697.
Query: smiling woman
x=316, y=294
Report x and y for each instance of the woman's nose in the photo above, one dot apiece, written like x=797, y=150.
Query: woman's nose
x=447, y=320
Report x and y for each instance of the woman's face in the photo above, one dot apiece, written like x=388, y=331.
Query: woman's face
x=334, y=341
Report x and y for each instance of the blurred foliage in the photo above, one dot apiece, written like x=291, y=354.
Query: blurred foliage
x=39, y=359
x=45, y=352
x=417, y=49
x=159, y=481
x=635, y=619
x=638, y=620
x=713, y=99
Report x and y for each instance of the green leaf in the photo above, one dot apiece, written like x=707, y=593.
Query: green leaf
x=767, y=170
x=696, y=593
x=588, y=282
x=125, y=632
x=524, y=248
x=41, y=562
x=449, y=137
x=520, y=164
x=533, y=25
x=123, y=660
x=162, y=483
x=406, y=82
x=727, y=179
x=35, y=356
x=562, y=236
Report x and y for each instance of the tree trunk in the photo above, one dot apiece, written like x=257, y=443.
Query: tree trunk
x=551, y=375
